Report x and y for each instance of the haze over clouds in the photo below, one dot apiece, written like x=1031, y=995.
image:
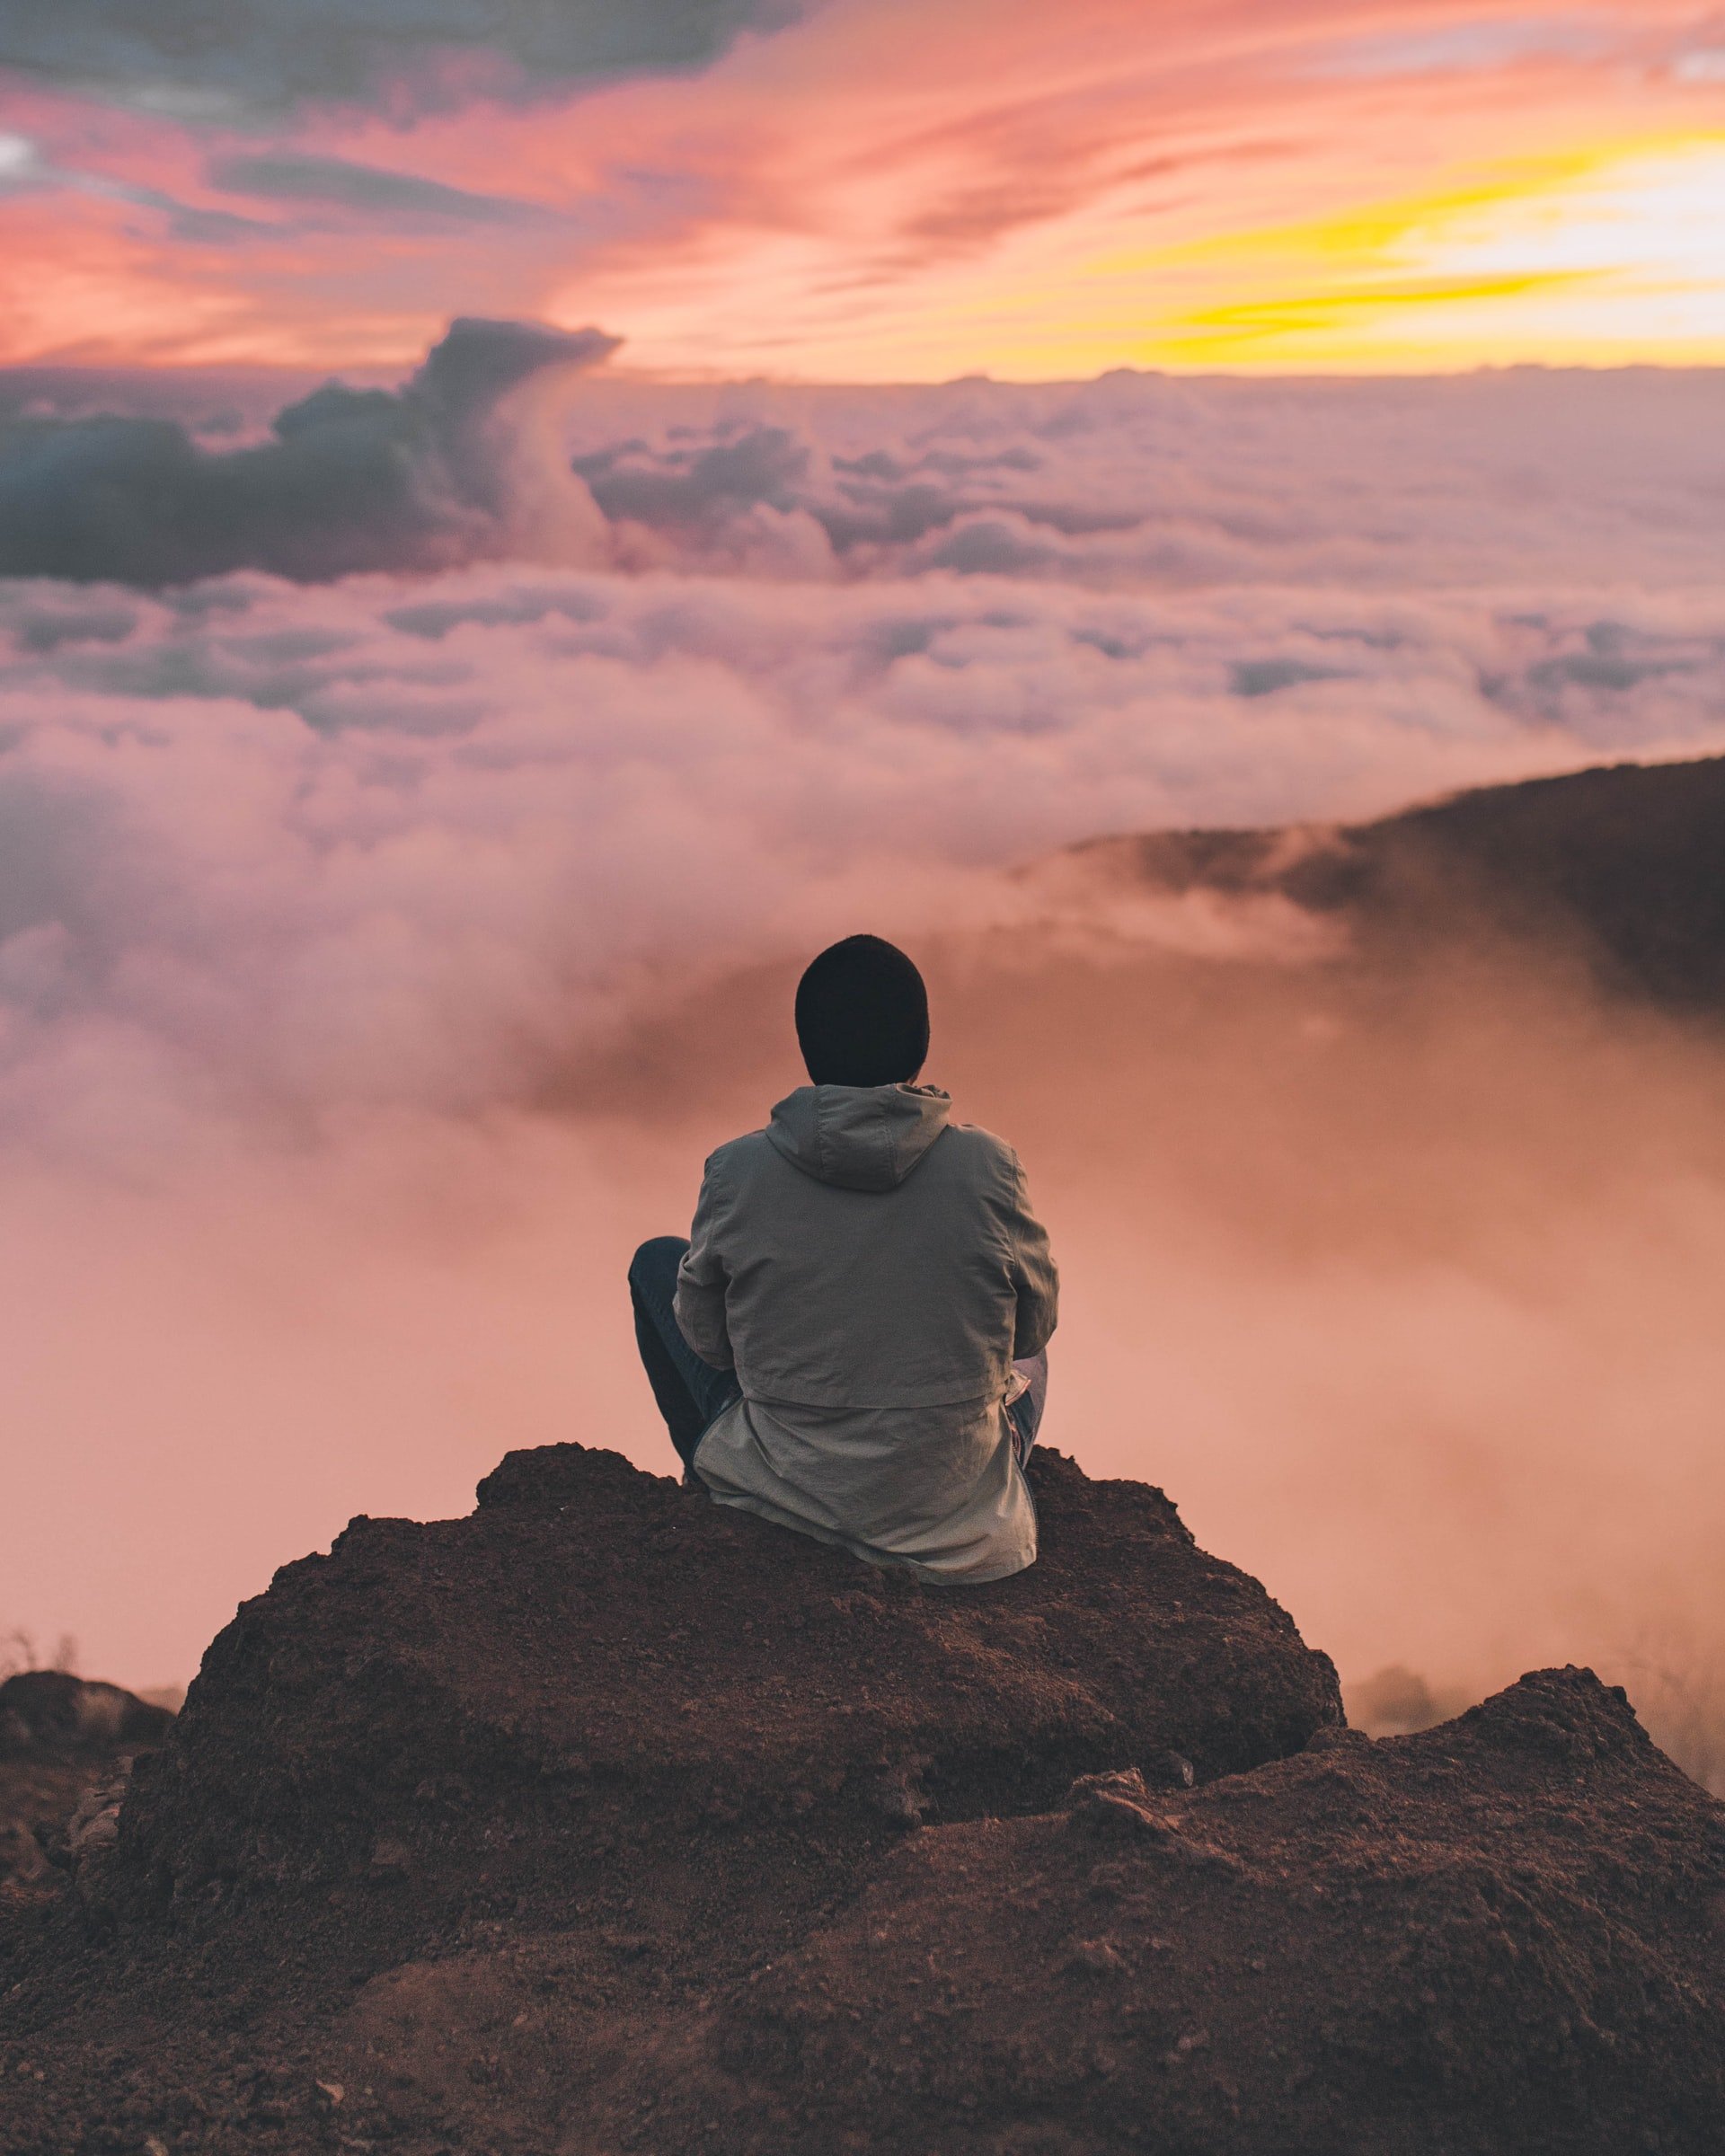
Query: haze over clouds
x=379, y=953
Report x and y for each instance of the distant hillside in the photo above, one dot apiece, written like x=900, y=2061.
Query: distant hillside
x=1627, y=860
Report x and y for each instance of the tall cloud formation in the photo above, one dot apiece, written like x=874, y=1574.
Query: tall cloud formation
x=375, y=952
x=415, y=478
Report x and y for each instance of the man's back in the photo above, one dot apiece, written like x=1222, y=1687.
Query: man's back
x=870, y=1270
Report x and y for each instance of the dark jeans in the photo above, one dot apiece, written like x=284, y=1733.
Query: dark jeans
x=692, y=1393
x=1025, y=1413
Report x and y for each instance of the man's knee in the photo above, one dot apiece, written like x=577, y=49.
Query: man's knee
x=655, y=1263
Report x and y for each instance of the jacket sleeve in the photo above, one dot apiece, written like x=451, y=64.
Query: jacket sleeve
x=1034, y=1275
x=699, y=1304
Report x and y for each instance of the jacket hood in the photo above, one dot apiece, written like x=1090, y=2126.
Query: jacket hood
x=861, y=1137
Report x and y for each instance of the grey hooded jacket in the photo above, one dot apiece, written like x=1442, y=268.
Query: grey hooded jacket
x=870, y=1270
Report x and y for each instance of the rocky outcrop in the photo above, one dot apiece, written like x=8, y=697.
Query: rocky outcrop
x=1507, y=1933
x=602, y=1820
x=50, y=1713
x=597, y=1661
x=60, y=1737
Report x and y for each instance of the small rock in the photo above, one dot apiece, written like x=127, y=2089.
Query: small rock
x=1096, y=1957
x=897, y=1794
x=390, y=1858
x=94, y=1826
x=1117, y=1803
x=1334, y=1738
x=21, y=1853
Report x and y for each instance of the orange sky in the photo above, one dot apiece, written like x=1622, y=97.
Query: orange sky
x=908, y=190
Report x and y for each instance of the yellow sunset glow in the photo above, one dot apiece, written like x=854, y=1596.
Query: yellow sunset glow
x=1601, y=257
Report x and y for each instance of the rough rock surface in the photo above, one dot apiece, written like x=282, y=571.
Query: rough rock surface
x=1506, y=1933
x=61, y=1736
x=595, y=1650
x=604, y=1820
x=50, y=1713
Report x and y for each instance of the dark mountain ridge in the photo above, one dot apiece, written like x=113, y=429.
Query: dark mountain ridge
x=1624, y=863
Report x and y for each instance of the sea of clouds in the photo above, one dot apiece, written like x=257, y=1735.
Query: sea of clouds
x=579, y=685
x=370, y=774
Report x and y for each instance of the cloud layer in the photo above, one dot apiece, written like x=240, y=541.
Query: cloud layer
x=503, y=444
x=412, y=836
x=413, y=842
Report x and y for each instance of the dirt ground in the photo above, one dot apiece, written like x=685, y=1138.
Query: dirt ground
x=605, y=1820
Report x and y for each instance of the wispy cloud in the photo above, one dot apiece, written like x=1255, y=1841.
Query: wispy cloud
x=25, y=169
x=1483, y=45
x=371, y=190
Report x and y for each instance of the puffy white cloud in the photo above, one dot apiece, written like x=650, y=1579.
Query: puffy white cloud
x=1139, y=479
x=503, y=445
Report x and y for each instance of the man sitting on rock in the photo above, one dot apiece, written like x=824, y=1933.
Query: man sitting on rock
x=855, y=1342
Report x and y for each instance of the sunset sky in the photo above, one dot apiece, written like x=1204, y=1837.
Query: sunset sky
x=868, y=189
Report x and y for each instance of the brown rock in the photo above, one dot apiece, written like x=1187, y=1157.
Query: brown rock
x=575, y=1655
x=699, y=1837
x=1496, y=1935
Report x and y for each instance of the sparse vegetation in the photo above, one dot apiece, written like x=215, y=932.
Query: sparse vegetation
x=18, y=1653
